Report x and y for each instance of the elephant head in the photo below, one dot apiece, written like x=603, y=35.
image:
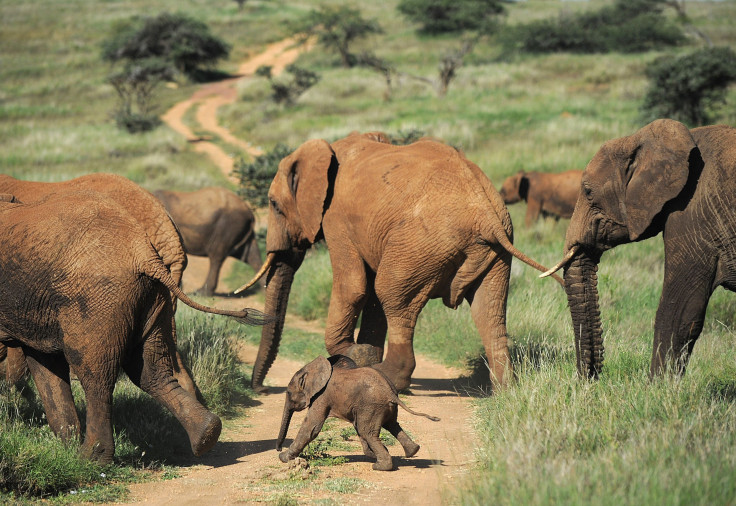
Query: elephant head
x=627, y=192
x=515, y=188
x=298, y=197
x=303, y=387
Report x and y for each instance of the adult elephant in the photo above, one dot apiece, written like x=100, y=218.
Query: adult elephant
x=142, y=205
x=83, y=289
x=663, y=178
x=403, y=224
x=216, y=223
x=548, y=194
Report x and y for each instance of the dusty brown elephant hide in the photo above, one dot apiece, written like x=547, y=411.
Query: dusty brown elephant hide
x=143, y=206
x=403, y=224
x=215, y=223
x=82, y=288
x=545, y=194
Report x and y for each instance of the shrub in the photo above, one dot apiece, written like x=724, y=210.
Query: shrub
x=627, y=26
x=255, y=177
x=452, y=16
x=688, y=87
x=287, y=92
x=179, y=40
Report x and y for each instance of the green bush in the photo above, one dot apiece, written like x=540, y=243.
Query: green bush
x=628, y=26
x=688, y=87
x=452, y=16
x=255, y=177
x=184, y=42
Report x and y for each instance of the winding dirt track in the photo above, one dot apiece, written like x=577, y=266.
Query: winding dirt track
x=244, y=467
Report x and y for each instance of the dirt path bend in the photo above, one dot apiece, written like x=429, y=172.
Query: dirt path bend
x=209, y=98
x=244, y=468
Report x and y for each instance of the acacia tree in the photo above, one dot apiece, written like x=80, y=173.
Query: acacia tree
x=185, y=43
x=337, y=28
x=472, y=19
x=452, y=16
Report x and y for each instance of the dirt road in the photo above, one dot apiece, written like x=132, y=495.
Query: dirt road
x=244, y=467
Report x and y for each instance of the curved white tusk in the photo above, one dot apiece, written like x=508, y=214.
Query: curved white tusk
x=562, y=262
x=264, y=269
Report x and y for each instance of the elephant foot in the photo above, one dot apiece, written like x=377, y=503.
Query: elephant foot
x=97, y=452
x=260, y=389
x=384, y=465
x=411, y=449
x=365, y=355
x=207, y=437
x=285, y=457
x=204, y=292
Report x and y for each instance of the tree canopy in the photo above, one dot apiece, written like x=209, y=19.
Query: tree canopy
x=185, y=43
x=452, y=16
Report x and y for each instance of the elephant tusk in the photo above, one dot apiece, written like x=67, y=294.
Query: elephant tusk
x=562, y=262
x=264, y=269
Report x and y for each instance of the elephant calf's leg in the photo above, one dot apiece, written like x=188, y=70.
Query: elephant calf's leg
x=383, y=457
x=367, y=449
x=309, y=430
x=410, y=447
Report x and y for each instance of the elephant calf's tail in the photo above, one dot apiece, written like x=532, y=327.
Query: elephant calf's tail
x=425, y=415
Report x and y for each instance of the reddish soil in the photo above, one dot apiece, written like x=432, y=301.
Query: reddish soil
x=243, y=467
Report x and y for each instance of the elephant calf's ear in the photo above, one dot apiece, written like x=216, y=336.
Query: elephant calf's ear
x=318, y=374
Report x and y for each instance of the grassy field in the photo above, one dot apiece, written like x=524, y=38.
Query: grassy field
x=549, y=438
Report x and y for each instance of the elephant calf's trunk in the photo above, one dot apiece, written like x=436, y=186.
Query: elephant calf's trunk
x=285, y=421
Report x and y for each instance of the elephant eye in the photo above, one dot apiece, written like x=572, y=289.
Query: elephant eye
x=587, y=191
x=275, y=207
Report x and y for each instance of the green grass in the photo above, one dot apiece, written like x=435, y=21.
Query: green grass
x=550, y=438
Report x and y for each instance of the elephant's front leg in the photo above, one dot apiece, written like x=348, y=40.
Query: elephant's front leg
x=309, y=430
x=680, y=315
x=346, y=301
x=488, y=309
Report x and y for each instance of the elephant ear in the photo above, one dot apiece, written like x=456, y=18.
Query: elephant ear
x=309, y=181
x=658, y=170
x=318, y=373
x=523, y=185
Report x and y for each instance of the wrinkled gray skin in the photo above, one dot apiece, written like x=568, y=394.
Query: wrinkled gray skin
x=663, y=178
x=362, y=396
x=216, y=223
x=83, y=290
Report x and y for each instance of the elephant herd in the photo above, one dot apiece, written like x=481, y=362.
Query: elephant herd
x=90, y=269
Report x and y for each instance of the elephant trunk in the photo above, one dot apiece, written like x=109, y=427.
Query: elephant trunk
x=581, y=285
x=278, y=289
x=285, y=421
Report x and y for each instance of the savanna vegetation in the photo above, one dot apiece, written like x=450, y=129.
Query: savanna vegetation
x=549, y=438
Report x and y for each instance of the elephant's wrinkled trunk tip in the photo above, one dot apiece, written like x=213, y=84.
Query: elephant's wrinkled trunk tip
x=573, y=251
x=264, y=269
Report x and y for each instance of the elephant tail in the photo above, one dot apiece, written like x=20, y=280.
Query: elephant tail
x=415, y=413
x=153, y=267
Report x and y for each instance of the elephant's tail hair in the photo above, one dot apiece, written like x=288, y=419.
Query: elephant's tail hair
x=425, y=415
x=154, y=268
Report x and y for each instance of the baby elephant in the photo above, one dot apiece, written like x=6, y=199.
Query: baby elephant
x=361, y=395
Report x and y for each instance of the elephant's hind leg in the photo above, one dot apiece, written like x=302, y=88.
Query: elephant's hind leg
x=409, y=446
x=488, y=309
x=51, y=375
x=150, y=367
